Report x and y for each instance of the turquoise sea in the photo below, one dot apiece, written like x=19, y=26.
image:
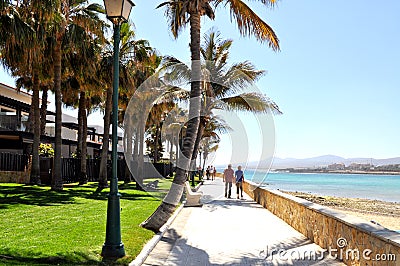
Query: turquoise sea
x=380, y=187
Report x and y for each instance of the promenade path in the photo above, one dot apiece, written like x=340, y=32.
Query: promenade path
x=233, y=232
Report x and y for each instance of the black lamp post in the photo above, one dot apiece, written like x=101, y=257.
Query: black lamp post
x=118, y=12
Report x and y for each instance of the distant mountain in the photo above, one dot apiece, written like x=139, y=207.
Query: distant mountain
x=325, y=160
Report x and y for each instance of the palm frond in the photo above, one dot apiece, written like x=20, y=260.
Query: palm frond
x=237, y=78
x=174, y=71
x=268, y=3
x=253, y=102
x=249, y=23
x=176, y=15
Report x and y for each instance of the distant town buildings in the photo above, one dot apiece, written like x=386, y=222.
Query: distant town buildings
x=337, y=166
x=361, y=167
x=352, y=166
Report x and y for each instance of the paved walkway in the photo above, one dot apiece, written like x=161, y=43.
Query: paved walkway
x=233, y=232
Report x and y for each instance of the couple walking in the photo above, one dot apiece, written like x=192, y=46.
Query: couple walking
x=233, y=176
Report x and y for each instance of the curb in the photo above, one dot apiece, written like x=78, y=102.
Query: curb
x=139, y=260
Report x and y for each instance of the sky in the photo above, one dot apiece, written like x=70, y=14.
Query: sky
x=336, y=78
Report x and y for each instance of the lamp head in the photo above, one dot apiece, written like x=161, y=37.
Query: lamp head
x=118, y=10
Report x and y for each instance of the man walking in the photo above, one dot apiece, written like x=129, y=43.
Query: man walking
x=214, y=173
x=228, y=179
x=239, y=181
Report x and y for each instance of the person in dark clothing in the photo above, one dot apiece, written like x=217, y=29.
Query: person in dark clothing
x=239, y=181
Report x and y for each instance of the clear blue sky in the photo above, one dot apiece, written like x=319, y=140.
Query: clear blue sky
x=336, y=79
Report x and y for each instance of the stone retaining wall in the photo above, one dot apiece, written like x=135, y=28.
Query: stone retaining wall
x=331, y=229
x=20, y=177
x=14, y=177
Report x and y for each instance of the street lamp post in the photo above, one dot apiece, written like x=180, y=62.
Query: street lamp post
x=117, y=11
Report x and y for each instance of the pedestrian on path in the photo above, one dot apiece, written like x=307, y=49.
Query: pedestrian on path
x=208, y=172
x=212, y=172
x=228, y=179
x=239, y=181
x=200, y=172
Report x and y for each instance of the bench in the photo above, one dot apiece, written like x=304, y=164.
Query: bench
x=192, y=198
x=152, y=186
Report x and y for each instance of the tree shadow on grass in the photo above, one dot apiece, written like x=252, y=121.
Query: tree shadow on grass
x=11, y=194
x=13, y=257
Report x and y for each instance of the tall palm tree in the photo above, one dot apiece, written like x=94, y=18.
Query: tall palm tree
x=152, y=94
x=171, y=129
x=222, y=91
x=23, y=41
x=138, y=61
x=85, y=65
x=70, y=16
x=208, y=145
x=154, y=123
x=179, y=14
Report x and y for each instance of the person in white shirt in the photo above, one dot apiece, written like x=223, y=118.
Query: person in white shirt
x=212, y=172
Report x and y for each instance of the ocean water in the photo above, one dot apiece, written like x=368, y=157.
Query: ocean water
x=380, y=187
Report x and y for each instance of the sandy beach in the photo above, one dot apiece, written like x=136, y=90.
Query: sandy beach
x=384, y=213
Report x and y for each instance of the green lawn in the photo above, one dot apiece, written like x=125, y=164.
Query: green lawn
x=42, y=227
x=197, y=180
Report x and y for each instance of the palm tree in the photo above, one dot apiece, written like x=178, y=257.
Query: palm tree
x=80, y=87
x=208, y=145
x=222, y=91
x=22, y=46
x=179, y=14
x=154, y=125
x=70, y=16
x=106, y=139
x=138, y=61
x=151, y=94
x=171, y=129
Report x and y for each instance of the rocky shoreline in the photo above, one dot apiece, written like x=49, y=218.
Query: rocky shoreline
x=384, y=213
x=355, y=172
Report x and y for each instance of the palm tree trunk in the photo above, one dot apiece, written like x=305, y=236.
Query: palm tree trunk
x=200, y=158
x=176, y=151
x=205, y=155
x=35, y=170
x=135, y=156
x=79, y=137
x=156, y=138
x=106, y=141
x=171, y=149
x=43, y=110
x=196, y=146
x=139, y=178
x=57, y=182
x=128, y=148
x=82, y=107
x=29, y=127
x=167, y=207
x=198, y=139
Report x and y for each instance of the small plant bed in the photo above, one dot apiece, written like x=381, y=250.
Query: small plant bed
x=197, y=181
x=43, y=227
